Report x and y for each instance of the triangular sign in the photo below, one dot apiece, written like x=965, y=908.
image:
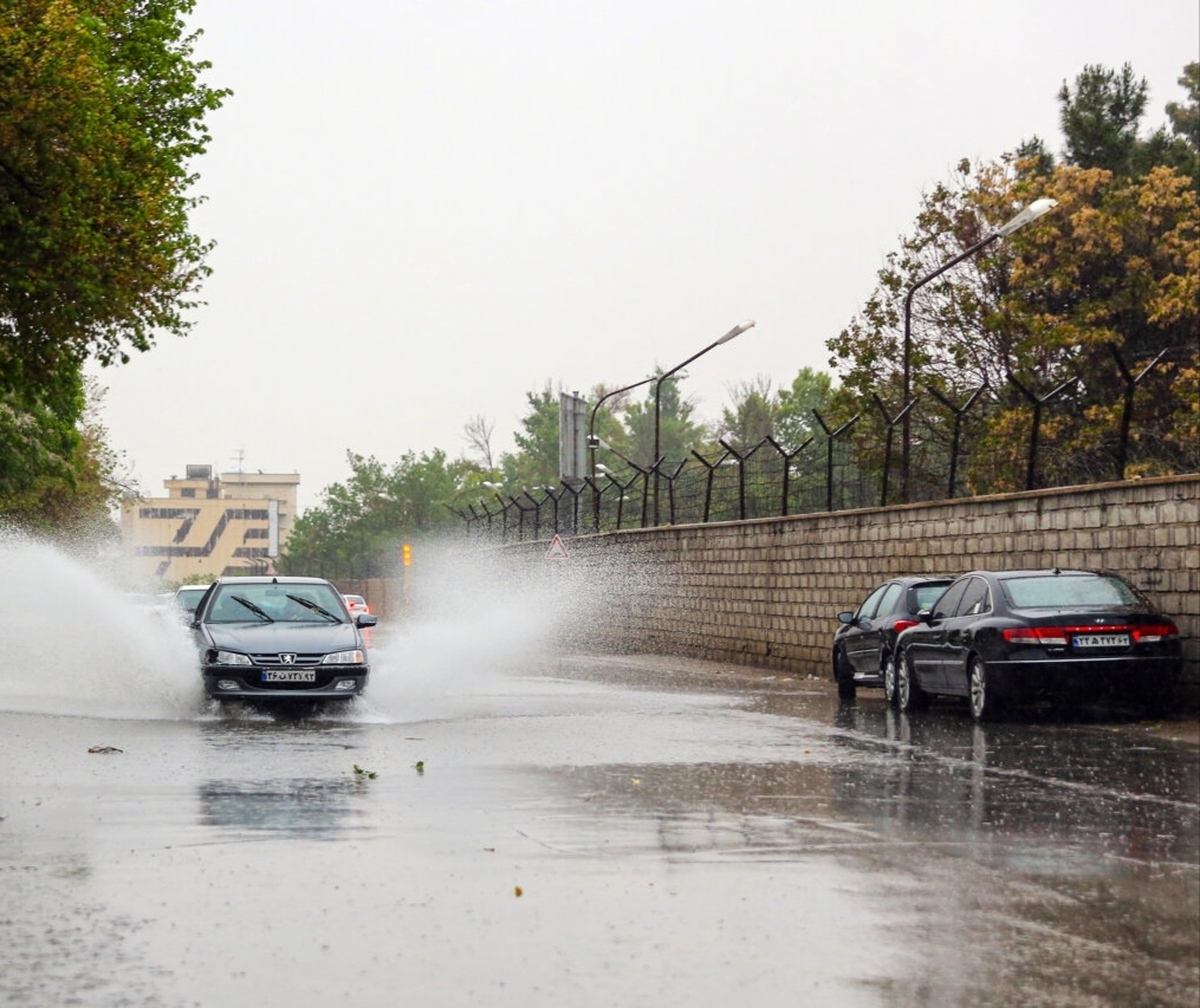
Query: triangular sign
x=557, y=550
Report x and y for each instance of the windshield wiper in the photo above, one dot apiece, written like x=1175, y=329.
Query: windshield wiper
x=309, y=604
x=252, y=607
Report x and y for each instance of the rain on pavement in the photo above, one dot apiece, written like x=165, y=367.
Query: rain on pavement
x=510, y=827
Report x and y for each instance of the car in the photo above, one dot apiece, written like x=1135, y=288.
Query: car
x=356, y=604
x=187, y=597
x=864, y=646
x=275, y=639
x=1020, y=636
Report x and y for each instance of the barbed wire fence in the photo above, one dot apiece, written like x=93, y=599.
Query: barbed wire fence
x=849, y=464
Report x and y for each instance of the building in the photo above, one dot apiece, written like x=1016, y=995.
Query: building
x=209, y=526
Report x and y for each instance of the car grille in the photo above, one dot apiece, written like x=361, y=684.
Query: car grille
x=271, y=660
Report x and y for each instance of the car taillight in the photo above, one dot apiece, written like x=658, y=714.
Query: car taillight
x=1044, y=635
x=903, y=624
x=1155, y=632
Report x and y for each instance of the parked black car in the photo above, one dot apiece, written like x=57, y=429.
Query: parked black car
x=280, y=639
x=1069, y=636
x=865, y=644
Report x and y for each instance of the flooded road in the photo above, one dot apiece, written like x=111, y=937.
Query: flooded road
x=487, y=827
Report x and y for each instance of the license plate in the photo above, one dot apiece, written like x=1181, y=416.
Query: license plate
x=1101, y=640
x=289, y=675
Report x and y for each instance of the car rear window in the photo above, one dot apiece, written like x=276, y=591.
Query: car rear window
x=1065, y=590
x=928, y=594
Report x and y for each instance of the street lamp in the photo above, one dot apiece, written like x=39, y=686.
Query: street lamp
x=1032, y=212
x=737, y=330
x=594, y=443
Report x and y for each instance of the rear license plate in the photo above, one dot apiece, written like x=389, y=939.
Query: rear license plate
x=1101, y=640
x=289, y=675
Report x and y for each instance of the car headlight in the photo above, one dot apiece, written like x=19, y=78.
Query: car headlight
x=230, y=658
x=354, y=657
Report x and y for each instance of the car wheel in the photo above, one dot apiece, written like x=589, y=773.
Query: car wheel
x=909, y=695
x=889, y=678
x=982, y=698
x=844, y=674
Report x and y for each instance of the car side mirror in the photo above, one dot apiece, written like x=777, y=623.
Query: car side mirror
x=846, y=617
x=925, y=616
x=366, y=619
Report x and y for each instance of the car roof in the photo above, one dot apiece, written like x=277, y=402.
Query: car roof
x=284, y=579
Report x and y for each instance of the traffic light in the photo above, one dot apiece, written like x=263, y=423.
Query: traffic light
x=406, y=554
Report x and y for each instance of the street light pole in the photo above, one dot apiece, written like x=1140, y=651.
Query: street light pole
x=1032, y=212
x=594, y=443
x=737, y=330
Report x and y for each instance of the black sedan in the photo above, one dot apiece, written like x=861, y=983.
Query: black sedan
x=1068, y=636
x=865, y=644
x=280, y=639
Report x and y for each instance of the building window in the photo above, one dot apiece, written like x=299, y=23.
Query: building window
x=187, y=491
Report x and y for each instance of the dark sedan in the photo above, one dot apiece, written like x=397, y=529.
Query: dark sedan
x=1068, y=636
x=865, y=644
x=280, y=639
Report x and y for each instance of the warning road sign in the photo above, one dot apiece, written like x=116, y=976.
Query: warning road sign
x=557, y=550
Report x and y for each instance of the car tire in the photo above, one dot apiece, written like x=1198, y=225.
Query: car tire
x=909, y=695
x=889, y=678
x=844, y=676
x=981, y=696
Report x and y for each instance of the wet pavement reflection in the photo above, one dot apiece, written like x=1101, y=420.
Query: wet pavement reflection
x=616, y=830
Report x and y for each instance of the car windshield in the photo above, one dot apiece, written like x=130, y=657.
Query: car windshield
x=271, y=603
x=1069, y=591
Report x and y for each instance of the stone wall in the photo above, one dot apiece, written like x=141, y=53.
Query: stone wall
x=766, y=592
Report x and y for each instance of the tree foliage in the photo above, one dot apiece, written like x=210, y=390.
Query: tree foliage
x=358, y=527
x=101, y=112
x=1089, y=294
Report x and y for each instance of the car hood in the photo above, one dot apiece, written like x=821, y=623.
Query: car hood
x=303, y=638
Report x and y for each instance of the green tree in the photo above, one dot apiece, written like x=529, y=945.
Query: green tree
x=752, y=414
x=535, y=463
x=678, y=434
x=795, y=422
x=357, y=528
x=101, y=111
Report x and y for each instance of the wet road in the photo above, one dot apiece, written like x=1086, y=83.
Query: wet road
x=596, y=831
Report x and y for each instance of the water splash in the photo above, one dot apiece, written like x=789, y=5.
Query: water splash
x=75, y=643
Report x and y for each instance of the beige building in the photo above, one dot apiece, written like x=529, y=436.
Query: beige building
x=207, y=526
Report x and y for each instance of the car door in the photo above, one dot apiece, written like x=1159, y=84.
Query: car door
x=862, y=641
x=959, y=629
x=926, y=645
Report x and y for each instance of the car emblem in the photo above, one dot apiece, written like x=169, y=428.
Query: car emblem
x=287, y=659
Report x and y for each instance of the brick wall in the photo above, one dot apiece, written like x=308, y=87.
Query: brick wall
x=767, y=591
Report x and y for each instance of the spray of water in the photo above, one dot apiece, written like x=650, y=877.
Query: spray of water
x=73, y=642
x=472, y=626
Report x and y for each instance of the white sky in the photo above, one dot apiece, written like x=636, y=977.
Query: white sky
x=426, y=209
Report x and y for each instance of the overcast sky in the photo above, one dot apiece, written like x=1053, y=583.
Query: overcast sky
x=425, y=209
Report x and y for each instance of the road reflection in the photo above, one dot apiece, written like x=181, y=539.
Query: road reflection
x=320, y=806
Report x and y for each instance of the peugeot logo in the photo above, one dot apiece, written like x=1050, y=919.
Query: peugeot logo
x=287, y=659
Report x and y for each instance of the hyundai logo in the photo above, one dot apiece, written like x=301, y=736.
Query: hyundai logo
x=287, y=659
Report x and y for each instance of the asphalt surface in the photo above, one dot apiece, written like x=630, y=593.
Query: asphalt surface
x=590, y=830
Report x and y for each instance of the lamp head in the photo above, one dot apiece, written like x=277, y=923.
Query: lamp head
x=737, y=330
x=1032, y=212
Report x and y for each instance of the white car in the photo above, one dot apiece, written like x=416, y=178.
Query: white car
x=187, y=597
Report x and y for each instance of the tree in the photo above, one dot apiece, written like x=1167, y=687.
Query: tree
x=357, y=528
x=751, y=415
x=795, y=422
x=1100, y=116
x=677, y=433
x=101, y=111
x=477, y=432
x=1112, y=273
x=536, y=461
